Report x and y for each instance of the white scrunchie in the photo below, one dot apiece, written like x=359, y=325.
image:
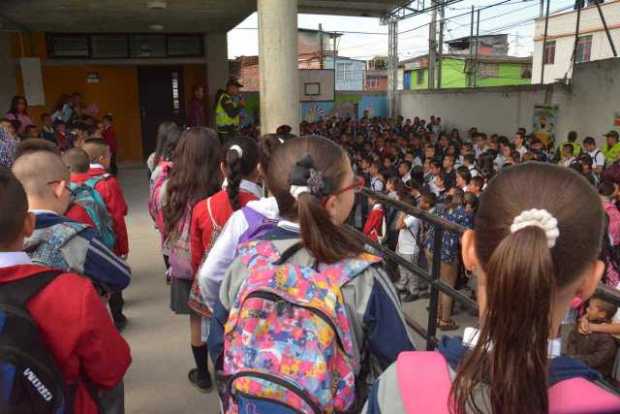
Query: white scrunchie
x=297, y=190
x=539, y=218
x=237, y=149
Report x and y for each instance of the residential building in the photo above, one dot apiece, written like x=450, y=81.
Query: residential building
x=349, y=72
x=376, y=74
x=592, y=43
x=488, y=45
x=492, y=71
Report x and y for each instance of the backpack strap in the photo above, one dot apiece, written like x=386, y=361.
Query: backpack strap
x=424, y=382
x=578, y=395
x=19, y=292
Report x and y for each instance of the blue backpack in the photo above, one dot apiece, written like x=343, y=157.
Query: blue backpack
x=86, y=196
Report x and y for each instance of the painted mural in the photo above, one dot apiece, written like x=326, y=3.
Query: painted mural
x=344, y=106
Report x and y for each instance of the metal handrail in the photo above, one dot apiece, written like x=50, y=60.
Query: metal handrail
x=432, y=278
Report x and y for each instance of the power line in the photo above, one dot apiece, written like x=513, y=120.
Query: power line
x=324, y=31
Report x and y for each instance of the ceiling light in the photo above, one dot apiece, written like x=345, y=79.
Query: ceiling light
x=156, y=27
x=157, y=5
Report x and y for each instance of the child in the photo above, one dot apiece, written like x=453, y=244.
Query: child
x=57, y=241
x=195, y=176
x=408, y=247
x=469, y=161
x=598, y=158
x=209, y=217
x=314, y=185
x=463, y=178
x=376, y=179
x=47, y=128
x=80, y=134
x=597, y=350
x=532, y=255
x=567, y=157
x=476, y=184
x=375, y=223
x=109, y=136
x=74, y=324
x=63, y=142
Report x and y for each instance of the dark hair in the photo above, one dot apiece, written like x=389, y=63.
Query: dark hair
x=13, y=207
x=470, y=158
x=436, y=163
x=58, y=122
x=606, y=188
x=267, y=145
x=195, y=175
x=107, y=117
x=407, y=163
x=609, y=308
x=77, y=160
x=572, y=136
x=430, y=198
x=35, y=145
x=168, y=134
x=472, y=200
x=326, y=241
x=522, y=276
x=95, y=148
x=464, y=173
x=477, y=180
x=589, y=141
x=239, y=165
x=15, y=102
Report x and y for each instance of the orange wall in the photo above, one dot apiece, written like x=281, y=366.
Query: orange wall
x=117, y=91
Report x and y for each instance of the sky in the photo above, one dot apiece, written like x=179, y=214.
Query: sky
x=515, y=17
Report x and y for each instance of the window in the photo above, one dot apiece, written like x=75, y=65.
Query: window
x=148, y=46
x=420, y=76
x=176, y=97
x=549, y=53
x=185, y=45
x=109, y=46
x=344, y=71
x=68, y=46
x=526, y=72
x=583, y=49
x=489, y=70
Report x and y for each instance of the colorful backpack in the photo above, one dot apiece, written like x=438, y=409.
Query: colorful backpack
x=425, y=383
x=86, y=196
x=288, y=339
x=155, y=196
x=180, y=256
x=48, y=250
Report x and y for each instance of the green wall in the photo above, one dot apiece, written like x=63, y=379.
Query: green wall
x=453, y=76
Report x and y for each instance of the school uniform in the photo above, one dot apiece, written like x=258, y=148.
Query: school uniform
x=374, y=224
x=598, y=158
x=376, y=184
x=112, y=195
x=76, y=328
x=408, y=248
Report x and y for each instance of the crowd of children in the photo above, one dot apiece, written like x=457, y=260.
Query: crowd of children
x=297, y=313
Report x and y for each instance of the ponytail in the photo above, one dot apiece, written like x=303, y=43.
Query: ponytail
x=241, y=161
x=510, y=356
x=328, y=242
x=233, y=162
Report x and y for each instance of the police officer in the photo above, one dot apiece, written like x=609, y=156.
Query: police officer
x=227, y=110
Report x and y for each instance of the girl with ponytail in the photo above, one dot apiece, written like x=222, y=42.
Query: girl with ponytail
x=534, y=252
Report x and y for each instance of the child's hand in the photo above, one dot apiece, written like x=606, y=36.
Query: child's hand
x=584, y=326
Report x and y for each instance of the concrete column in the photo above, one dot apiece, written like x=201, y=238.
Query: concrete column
x=217, y=69
x=279, y=74
x=8, y=81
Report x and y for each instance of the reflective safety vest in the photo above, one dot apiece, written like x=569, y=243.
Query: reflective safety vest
x=221, y=117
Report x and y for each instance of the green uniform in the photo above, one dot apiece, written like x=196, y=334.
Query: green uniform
x=227, y=116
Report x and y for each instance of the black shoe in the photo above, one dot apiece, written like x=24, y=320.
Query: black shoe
x=120, y=321
x=202, y=384
x=410, y=297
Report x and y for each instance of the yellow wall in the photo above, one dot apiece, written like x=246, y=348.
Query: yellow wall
x=117, y=91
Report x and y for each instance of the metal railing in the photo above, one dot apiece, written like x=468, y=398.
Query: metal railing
x=432, y=276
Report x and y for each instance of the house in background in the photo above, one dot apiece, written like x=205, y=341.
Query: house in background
x=350, y=73
x=488, y=45
x=376, y=74
x=492, y=71
x=557, y=52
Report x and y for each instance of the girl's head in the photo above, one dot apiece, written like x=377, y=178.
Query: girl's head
x=266, y=146
x=533, y=250
x=168, y=134
x=19, y=105
x=240, y=162
x=199, y=92
x=195, y=175
x=319, y=173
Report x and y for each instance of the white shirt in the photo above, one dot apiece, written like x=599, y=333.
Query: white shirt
x=376, y=184
x=96, y=165
x=471, y=336
x=406, y=178
x=8, y=259
x=407, y=243
x=473, y=170
x=598, y=158
x=521, y=150
x=223, y=252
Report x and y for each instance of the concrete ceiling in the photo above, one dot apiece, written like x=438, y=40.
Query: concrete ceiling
x=179, y=15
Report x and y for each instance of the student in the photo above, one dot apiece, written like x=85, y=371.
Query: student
x=469, y=161
x=19, y=112
x=566, y=157
x=110, y=190
x=47, y=128
x=463, y=177
x=195, y=176
x=607, y=192
x=611, y=149
x=57, y=241
x=314, y=185
x=377, y=181
x=598, y=350
x=519, y=143
x=409, y=240
x=598, y=158
x=209, y=216
x=73, y=322
x=375, y=223
x=244, y=224
x=109, y=136
x=80, y=134
x=476, y=184
x=61, y=138
x=168, y=134
x=449, y=171
x=404, y=171
x=532, y=255
x=453, y=211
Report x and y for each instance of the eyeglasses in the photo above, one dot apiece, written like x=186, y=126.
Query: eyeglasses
x=358, y=183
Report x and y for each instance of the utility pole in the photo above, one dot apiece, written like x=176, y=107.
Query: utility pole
x=442, y=16
x=432, y=47
x=321, y=49
x=476, y=65
x=611, y=42
x=392, y=66
x=542, y=9
x=574, y=59
x=470, y=69
x=542, y=66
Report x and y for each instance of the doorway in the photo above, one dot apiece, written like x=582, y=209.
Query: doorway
x=161, y=99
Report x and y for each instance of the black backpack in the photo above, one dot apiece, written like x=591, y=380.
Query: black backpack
x=30, y=382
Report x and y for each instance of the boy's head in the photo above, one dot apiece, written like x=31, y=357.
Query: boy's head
x=589, y=144
x=35, y=145
x=435, y=167
x=448, y=162
x=572, y=136
x=469, y=159
x=60, y=126
x=76, y=160
x=463, y=177
x=7, y=125
x=404, y=168
x=612, y=138
x=600, y=310
x=15, y=220
x=567, y=150
x=476, y=184
x=98, y=152
x=375, y=167
x=45, y=179
x=428, y=201
x=46, y=119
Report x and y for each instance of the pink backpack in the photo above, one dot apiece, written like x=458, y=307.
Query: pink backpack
x=288, y=338
x=427, y=373
x=179, y=249
x=155, y=196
